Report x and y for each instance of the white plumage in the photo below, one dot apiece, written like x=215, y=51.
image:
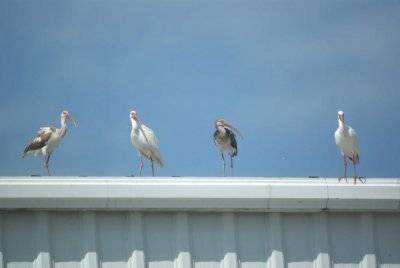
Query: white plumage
x=346, y=141
x=145, y=142
x=48, y=139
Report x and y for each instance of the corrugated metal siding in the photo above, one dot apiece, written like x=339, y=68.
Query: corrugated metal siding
x=198, y=239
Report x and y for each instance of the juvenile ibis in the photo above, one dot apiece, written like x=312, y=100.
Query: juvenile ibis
x=224, y=139
x=47, y=139
x=346, y=141
x=145, y=142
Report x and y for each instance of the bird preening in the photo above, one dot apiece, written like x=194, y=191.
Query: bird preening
x=224, y=139
x=48, y=139
x=145, y=142
x=346, y=141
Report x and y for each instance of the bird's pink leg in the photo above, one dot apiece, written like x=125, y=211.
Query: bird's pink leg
x=46, y=164
x=152, y=167
x=345, y=169
x=355, y=173
x=223, y=165
x=140, y=165
x=231, y=166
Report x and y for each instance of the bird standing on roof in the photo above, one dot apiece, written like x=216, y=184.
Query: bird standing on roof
x=225, y=140
x=346, y=141
x=145, y=142
x=48, y=139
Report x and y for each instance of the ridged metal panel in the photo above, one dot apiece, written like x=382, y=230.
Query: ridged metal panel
x=111, y=239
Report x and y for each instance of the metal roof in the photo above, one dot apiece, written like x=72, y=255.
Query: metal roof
x=185, y=193
x=113, y=222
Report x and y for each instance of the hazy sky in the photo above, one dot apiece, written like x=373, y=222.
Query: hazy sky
x=277, y=70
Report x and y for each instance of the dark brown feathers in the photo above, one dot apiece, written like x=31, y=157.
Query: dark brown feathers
x=39, y=141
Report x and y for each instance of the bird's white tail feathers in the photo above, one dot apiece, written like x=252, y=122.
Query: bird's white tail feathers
x=156, y=157
x=158, y=161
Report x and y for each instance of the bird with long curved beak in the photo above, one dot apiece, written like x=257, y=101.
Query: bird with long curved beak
x=346, y=141
x=48, y=139
x=145, y=142
x=224, y=139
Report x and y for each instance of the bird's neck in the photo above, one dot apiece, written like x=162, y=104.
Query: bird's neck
x=135, y=126
x=341, y=125
x=63, y=128
x=221, y=130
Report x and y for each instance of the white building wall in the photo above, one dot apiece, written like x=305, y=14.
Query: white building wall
x=199, y=239
x=195, y=237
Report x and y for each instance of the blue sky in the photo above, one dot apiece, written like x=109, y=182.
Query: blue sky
x=277, y=70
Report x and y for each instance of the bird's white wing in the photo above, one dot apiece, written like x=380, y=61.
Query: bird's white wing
x=44, y=130
x=153, y=145
x=354, y=141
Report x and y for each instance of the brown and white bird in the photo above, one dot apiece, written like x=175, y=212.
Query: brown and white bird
x=346, y=141
x=145, y=142
x=225, y=140
x=48, y=139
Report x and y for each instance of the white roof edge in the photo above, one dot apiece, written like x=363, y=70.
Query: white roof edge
x=199, y=194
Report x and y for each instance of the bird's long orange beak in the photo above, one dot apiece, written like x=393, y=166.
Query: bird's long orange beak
x=72, y=120
x=233, y=128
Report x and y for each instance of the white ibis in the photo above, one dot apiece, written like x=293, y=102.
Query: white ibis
x=346, y=140
x=145, y=142
x=48, y=139
x=225, y=140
